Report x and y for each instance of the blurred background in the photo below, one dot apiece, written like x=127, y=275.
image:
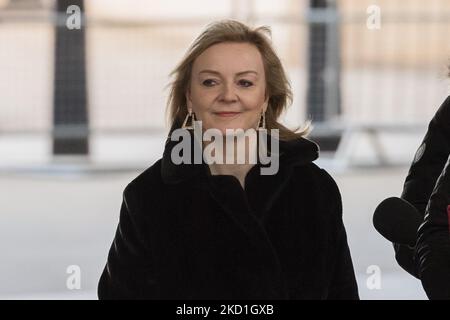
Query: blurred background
x=82, y=112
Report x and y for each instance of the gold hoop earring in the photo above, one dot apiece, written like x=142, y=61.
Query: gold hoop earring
x=262, y=121
x=190, y=117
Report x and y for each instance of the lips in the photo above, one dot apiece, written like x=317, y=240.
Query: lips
x=226, y=114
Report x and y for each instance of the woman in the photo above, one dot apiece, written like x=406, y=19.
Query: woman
x=226, y=231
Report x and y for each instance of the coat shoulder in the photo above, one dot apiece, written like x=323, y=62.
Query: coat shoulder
x=443, y=113
x=320, y=175
x=326, y=188
x=149, y=179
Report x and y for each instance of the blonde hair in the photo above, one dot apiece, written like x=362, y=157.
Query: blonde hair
x=278, y=87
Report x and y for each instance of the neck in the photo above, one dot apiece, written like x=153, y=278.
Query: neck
x=239, y=170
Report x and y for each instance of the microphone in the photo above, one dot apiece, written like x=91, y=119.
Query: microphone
x=397, y=220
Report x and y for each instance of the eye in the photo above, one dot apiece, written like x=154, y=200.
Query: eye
x=207, y=82
x=246, y=83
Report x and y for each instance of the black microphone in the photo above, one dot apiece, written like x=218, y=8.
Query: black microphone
x=397, y=220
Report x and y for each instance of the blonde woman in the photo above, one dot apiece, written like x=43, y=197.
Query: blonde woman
x=226, y=229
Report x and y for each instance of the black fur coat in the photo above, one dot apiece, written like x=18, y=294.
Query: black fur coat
x=186, y=234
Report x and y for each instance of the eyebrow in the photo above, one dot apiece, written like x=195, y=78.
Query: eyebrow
x=239, y=73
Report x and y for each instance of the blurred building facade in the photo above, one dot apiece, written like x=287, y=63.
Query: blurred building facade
x=391, y=75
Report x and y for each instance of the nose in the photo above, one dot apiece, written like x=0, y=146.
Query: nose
x=228, y=93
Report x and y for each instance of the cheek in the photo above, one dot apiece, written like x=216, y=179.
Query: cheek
x=252, y=116
x=201, y=100
x=254, y=106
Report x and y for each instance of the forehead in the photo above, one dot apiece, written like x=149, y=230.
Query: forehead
x=230, y=57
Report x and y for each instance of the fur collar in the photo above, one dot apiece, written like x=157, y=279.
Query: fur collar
x=294, y=152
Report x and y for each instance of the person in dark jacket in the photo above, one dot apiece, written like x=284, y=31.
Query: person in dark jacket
x=424, y=171
x=433, y=243
x=432, y=252
x=226, y=231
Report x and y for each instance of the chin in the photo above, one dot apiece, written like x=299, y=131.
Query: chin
x=222, y=127
x=233, y=128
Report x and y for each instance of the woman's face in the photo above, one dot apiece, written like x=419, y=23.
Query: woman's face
x=227, y=89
